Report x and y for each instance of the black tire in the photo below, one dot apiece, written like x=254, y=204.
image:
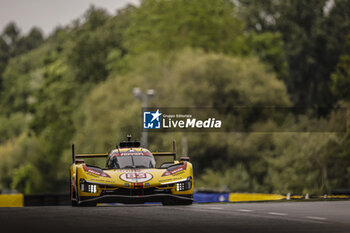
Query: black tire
x=73, y=202
x=87, y=204
x=177, y=202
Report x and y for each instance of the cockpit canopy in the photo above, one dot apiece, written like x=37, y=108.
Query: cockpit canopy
x=130, y=159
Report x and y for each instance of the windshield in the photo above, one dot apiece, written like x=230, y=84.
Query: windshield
x=131, y=161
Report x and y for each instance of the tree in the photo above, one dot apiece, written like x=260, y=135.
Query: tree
x=93, y=42
x=26, y=43
x=313, y=33
x=341, y=77
x=167, y=25
x=11, y=33
x=214, y=26
x=13, y=44
x=4, y=56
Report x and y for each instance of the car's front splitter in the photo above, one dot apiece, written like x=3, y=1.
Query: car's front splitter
x=135, y=199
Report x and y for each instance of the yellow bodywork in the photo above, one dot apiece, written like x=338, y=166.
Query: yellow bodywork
x=114, y=179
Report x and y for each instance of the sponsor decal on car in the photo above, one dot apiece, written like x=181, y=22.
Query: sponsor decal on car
x=94, y=172
x=130, y=170
x=132, y=153
x=177, y=169
x=136, y=177
x=98, y=180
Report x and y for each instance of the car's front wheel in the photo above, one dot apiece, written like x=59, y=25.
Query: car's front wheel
x=177, y=202
x=77, y=202
x=72, y=192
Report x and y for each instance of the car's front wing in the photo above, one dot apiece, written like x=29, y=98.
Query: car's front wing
x=137, y=199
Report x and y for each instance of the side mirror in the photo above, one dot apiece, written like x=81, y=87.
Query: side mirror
x=182, y=159
x=78, y=161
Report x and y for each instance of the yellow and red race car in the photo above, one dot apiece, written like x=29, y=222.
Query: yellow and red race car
x=132, y=175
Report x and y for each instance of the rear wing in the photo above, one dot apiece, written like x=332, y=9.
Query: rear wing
x=163, y=157
x=167, y=153
x=158, y=155
x=75, y=156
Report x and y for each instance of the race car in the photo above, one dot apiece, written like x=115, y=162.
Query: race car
x=132, y=175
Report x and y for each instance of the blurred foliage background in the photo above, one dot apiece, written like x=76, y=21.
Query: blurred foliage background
x=76, y=86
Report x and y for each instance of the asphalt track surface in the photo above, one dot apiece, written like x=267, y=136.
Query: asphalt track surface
x=321, y=216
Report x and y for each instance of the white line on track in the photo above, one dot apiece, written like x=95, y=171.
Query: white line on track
x=316, y=218
x=276, y=213
x=216, y=208
x=245, y=210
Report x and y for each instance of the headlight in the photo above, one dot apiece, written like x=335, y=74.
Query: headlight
x=183, y=186
x=92, y=188
x=88, y=188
